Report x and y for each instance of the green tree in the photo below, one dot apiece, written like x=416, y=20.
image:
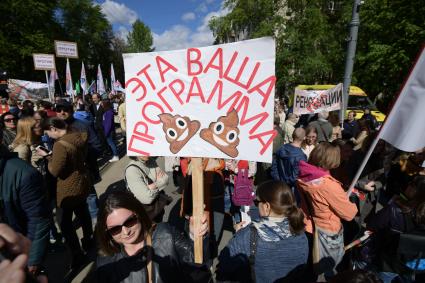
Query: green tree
x=309, y=37
x=390, y=36
x=27, y=27
x=311, y=44
x=140, y=38
x=84, y=23
x=247, y=19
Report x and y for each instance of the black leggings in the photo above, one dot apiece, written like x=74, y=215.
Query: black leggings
x=82, y=213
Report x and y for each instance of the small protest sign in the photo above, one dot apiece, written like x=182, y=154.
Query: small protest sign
x=315, y=101
x=66, y=49
x=44, y=61
x=214, y=101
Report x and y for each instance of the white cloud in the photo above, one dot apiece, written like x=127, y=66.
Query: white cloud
x=118, y=13
x=180, y=36
x=209, y=1
x=122, y=33
x=188, y=17
x=202, y=8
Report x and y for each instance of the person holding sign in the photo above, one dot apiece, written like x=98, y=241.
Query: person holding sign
x=135, y=250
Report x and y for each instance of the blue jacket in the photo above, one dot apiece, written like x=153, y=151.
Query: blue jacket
x=25, y=206
x=273, y=260
x=84, y=116
x=285, y=165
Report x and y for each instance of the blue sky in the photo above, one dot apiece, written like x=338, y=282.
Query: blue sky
x=175, y=24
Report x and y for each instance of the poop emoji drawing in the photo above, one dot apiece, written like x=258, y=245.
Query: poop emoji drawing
x=178, y=130
x=224, y=134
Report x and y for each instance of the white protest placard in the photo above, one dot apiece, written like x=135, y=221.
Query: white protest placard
x=315, y=101
x=66, y=49
x=214, y=101
x=44, y=61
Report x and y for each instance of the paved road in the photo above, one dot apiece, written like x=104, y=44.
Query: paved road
x=112, y=174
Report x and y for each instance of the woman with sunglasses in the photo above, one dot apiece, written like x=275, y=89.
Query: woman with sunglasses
x=272, y=248
x=8, y=123
x=135, y=250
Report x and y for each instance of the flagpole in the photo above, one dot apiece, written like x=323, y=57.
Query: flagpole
x=48, y=85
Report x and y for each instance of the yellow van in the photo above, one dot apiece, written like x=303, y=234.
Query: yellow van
x=357, y=101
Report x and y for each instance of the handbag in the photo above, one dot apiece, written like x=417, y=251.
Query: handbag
x=156, y=208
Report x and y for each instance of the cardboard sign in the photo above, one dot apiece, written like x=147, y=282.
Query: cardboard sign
x=214, y=101
x=66, y=49
x=315, y=101
x=44, y=61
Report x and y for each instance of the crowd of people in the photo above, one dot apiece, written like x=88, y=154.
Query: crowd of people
x=293, y=219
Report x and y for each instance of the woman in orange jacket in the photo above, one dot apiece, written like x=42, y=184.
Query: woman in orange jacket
x=324, y=203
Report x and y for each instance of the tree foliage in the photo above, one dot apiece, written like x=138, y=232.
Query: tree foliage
x=390, y=37
x=31, y=26
x=247, y=19
x=140, y=38
x=24, y=25
x=311, y=39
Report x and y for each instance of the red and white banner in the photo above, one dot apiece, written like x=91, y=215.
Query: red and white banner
x=19, y=89
x=316, y=101
x=214, y=101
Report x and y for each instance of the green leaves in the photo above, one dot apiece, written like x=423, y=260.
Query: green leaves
x=311, y=39
x=140, y=38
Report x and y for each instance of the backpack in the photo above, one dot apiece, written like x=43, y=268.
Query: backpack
x=243, y=193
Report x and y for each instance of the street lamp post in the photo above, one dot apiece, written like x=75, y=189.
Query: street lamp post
x=351, y=51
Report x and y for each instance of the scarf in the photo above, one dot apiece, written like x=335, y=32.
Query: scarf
x=273, y=229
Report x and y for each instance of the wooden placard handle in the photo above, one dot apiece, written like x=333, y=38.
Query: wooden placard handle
x=198, y=204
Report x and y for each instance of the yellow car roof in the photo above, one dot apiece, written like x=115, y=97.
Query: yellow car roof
x=354, y=90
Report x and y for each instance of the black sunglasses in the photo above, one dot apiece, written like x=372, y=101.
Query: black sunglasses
x=130, y=222
x=60, y=109
x=257, y=201
x=10, y=119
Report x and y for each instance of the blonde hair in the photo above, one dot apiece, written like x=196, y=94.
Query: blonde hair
x=24, y=132
x=326, y=156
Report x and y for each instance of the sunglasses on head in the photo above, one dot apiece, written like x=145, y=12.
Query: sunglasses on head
x=130, y=222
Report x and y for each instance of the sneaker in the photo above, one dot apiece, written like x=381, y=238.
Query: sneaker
x=114, y=159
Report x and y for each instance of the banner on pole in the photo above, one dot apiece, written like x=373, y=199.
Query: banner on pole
x=100, y=83
x=113, y=79
x=21, y=90
x=69, y=87
x=315, y=101
x=44, y=61
x=214, y=101
x=83, y=79
x=66, y=49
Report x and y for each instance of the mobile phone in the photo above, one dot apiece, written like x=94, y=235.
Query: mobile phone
x=43, y=149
